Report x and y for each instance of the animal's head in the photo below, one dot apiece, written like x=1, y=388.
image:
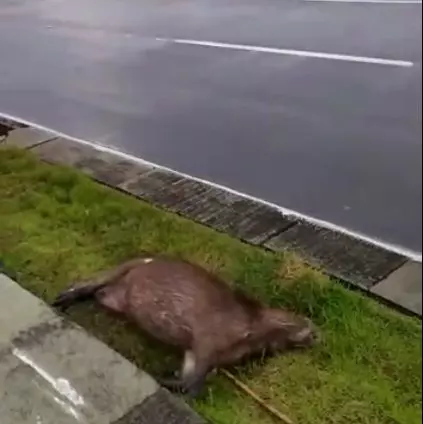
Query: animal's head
x=288, y=331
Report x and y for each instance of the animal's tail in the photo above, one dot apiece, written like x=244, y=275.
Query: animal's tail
x=76, y=294
x=86, y=290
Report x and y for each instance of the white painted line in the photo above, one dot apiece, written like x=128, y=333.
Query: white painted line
x=288, y=52
x=410, y=254
x=368, y=1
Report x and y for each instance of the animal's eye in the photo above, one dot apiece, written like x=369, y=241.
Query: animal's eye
x=247, y=334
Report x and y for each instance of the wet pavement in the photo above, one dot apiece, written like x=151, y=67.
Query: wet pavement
x=340, y=141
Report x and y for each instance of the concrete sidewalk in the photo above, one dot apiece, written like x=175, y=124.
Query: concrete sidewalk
x=52, y=371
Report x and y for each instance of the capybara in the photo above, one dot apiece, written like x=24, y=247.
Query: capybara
x=182, y=304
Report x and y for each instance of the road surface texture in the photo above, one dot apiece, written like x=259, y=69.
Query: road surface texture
x=327, y=122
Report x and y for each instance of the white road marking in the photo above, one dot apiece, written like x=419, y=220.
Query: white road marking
x=408, y=253
x=368, y=1
x=289, y=52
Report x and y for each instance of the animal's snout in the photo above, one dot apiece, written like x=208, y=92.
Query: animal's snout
x=307, y=336
x=314, y=337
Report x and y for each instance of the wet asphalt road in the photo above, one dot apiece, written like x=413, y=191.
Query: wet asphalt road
x=337, y=140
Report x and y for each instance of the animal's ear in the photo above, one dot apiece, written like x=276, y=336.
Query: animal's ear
x=278, y=318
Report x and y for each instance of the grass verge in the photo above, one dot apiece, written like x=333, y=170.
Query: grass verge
x=56, y=226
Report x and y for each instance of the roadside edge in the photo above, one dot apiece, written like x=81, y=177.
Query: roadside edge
x=354, y=262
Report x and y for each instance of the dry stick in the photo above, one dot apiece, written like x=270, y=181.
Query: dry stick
x=270, y=409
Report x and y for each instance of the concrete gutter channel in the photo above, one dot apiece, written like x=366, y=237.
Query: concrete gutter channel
x=118, y=392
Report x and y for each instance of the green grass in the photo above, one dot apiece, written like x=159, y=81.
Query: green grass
x=57, y=226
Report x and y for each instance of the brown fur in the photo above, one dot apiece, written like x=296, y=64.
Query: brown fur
x=183, y=305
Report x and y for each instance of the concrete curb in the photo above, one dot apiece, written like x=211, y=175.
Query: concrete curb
x=69, y=376
x=356, y=263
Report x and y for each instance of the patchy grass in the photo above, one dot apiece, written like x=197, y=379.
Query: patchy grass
x=57, y=226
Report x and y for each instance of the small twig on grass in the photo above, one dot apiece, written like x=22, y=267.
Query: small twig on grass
x=270, y=409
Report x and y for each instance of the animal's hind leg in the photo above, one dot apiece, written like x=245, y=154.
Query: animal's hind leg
x=193, y=374
x=112, y=297
x=187, y=368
